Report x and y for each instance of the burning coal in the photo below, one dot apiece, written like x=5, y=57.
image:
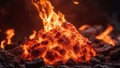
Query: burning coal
x=58, y=40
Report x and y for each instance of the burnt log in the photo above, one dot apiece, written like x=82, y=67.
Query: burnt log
x=116, y=65
x=104, y=50
x=70, y=63
x=82, y=66
x=95, y=61
x=92, y=31
x=1, y=65
x=7, y=59
x=9, y=46
x=64, y=66
x=101, y=47
x=48, y=66
x=35, y=64
x=100, y=66
x=112, y=64
x=17, y=51
x=115, y=55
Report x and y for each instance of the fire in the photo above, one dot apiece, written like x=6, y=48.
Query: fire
x=47, y=14
x=2, y=44
x=83, y=27
x=9, y=34
x=58, y=41
x=106, y=37
x=32, y=36
x=25, y=51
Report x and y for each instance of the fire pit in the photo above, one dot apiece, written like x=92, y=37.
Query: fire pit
x=60, y=45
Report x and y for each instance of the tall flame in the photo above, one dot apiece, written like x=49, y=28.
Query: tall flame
x=106, y=37
x=47, y=14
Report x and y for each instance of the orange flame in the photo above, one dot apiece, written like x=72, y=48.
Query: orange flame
x=58, y=41
x=47, y=14
x=10, y=33
x=32, y=36
x=83, y=27
x=2, y=44
x=106, y=37
x=25, y=53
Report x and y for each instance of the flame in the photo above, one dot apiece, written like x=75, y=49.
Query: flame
x=32, y=36
x=83, y=27
x=10, y=33
x=25, y=53
x=47, y=14
x=2, y=44
x=106, y=37
x=58, y=41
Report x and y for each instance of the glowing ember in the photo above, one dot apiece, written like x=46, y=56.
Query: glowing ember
x=76, y=2
x=106, y=37
x=10, y=33
x=58, y=41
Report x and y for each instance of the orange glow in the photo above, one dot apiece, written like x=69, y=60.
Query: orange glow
x=58, y=41
x=83, y=27
x=10, y=33
x=76, y=2
x=32, y=36
x=106, y=37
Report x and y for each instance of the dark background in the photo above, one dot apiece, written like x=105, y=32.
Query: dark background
x=23, y=17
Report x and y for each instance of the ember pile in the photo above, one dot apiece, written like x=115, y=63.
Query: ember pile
x=60, y=45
